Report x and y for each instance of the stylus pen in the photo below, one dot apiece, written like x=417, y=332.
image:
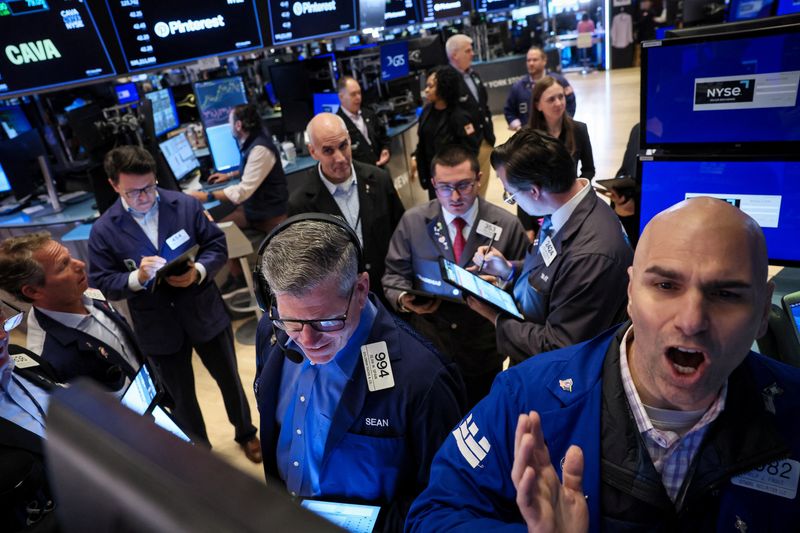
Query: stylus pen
x=489, y=249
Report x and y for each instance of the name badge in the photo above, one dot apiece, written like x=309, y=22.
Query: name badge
x=177, y=239
x=377, y=366
x=487, y=229
x=778, y=478
x=94, y=294
x=23, y=361
x=548, y=251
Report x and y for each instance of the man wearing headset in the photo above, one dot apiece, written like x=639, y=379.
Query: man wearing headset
x=353, y=403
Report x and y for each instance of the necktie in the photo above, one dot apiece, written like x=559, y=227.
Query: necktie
x=546, y=229
x=459, y=242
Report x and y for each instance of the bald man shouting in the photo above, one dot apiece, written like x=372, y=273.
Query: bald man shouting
x=666, y=423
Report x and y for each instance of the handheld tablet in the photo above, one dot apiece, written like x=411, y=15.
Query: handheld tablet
x=791, y=304
x=427, y=295
x=142, y=393
x=177, y=266
x=479, y=287
x=164, y=421
x=353, y=517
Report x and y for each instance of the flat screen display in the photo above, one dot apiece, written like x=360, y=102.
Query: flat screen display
x=768, y=191
x=154, y=33
x=394, y=60
x=13, y=120
x=164, y=421
x=723, y=90
x=749, y=9
x=431, y=10
x=165, y=114
x=5, y=186
x=49, y=44
x=787, y=7
x=479, y=287
x=326, y=103
x=141, y=394
x=216, y=98
x=179, y=155
x=224, y=149
x=126, y=93
x=400, y=13
x=351, y=517
x=495, y=5
x=299, y=20
x=371, y=13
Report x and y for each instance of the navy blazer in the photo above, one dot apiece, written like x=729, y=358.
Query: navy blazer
x=367, y=152
x=73, y=353
x=385, y=465
x=163, y=318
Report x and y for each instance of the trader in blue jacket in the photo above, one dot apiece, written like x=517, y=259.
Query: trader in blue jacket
x=668, y=423
x=143, y=230
x=353, y=402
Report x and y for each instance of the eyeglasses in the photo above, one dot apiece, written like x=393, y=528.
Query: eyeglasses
x=324, y=325
x=464, y=187
x=14, y=320
x=133, y=194
x=509, y=198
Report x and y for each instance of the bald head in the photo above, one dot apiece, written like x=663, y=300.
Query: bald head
x=708, y=221
x=324, y=123
x=329, y=143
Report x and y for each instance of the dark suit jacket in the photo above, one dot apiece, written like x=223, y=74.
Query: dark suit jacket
x=434, y=135
x=378, y=136
x=380, y=210
x=411, y=263
x=163, y=318
x=22, y=465
x=73, y=353
x=478, y=109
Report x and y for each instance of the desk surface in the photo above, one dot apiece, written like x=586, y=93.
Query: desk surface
x=83, y=211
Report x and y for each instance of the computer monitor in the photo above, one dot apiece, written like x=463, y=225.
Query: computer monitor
x=5, y=186
x=127, y=93
x=426, y=52
x=304, y=21
x=13, y=120
x=371, y=13
x=165, y=114
x=20, y=162
x=156, y=34
x=224, y=149
x=299, y=80
x=326, y=103
x=766, y=189
x=433, y=10
x=787, y=7
x=749, y=9
x=723, y=92
x=490, y=6
x=400, y=13
x=49, y=45
x=180, y=156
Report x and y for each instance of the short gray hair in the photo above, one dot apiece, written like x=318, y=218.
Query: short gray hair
x=320, y=117
x=17, y=265
x=456, y=42
x=307, y=254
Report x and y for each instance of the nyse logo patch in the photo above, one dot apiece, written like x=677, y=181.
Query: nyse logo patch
x=725, y=92
x=473, y=449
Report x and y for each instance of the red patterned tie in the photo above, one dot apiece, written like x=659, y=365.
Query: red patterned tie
x=459, y=242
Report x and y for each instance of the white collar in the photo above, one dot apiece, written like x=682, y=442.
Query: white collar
x=344, y=186
x=352, y=116
x=469, y=217
x=71, y=320
x=561, y=215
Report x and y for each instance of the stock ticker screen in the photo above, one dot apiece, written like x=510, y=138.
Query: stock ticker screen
x=431, y=10
x=296, y=20
x=154, y=33
x=48, y=44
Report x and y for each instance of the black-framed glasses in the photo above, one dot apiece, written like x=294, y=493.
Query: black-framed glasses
x=14, y=320
x=133, y=194
x=323, y=325
x=464, y=187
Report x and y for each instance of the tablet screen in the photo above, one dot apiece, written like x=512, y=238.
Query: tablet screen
x=480, y=288
x=141, y=393
x=350, y=516
x=163, y=420
x=792, y=308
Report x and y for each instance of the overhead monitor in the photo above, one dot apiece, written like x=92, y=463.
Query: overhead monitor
x=48, y=45
x=154, y=34
x=431, y=10
x=295, y=20
x=126, y=93
x=723, y=92
x=767, y=190
x=20, y=162
x=298, y=80
x=788, y=7
x=400, y=13
x=215, y=100
x=180, y=156
x=13, y=120
x=165, y=114
x=749, y=9
x=495, y=5
x=371, y=13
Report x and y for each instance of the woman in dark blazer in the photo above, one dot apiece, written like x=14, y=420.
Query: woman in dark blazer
x=443, y=123
x=548, y=113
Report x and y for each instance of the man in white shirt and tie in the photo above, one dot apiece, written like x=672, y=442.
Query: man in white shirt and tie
x=370, y=141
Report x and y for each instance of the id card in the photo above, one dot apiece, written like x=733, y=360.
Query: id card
x=177, y=239
x=377, y=366
x=23, y=361
x=548, y=251
x=778, y=478
x=489, y=230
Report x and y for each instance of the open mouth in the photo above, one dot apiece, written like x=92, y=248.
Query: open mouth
x=685, y=361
